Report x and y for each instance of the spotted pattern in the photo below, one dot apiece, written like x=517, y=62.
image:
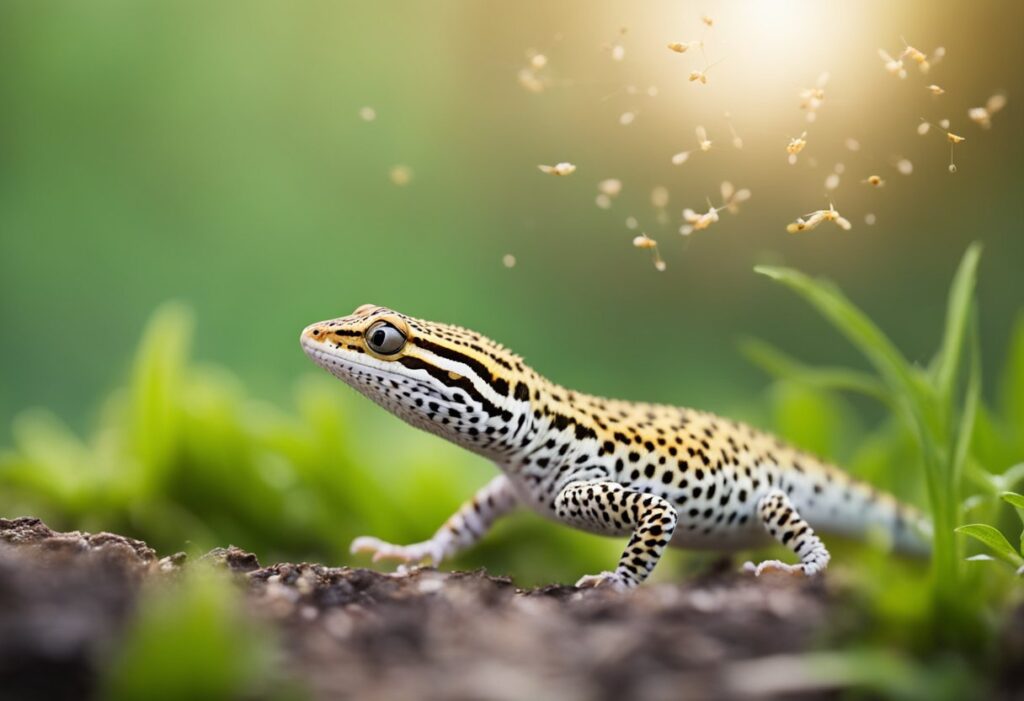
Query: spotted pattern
x=610, y=508
x=715, y=476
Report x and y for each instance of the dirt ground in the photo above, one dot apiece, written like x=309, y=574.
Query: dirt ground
x=356, y=633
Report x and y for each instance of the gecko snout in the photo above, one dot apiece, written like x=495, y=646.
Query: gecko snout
x=314, y=332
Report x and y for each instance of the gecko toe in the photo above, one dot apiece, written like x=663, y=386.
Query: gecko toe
x=365, y=544
x=776, y=567
x=604, y=580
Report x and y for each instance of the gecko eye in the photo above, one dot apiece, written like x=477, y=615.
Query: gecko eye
x=384, y=338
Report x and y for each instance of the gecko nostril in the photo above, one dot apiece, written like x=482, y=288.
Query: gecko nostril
x=316, y=332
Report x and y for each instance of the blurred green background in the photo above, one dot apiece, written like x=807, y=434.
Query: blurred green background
x=214, y=154
x=201, y=176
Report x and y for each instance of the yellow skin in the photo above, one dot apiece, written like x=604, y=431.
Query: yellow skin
x=662, y=475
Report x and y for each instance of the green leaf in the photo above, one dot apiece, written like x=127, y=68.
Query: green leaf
x=961, y=296
x=157, y=383
x=1017, y=502
x=783, y=366
x=195, y=625
x=995, y=540
x=857, y=328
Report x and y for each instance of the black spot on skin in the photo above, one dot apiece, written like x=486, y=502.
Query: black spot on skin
x=584, y=432
x=522, y=393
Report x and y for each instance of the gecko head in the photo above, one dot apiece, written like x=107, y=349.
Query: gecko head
x=363, y=348
x=442, y=378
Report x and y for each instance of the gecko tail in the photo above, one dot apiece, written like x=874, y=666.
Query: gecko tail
x=866, y=513
x=912, y=532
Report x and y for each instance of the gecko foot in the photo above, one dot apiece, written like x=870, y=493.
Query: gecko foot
x=605, y=580
x=779, y=567
x=427, y=550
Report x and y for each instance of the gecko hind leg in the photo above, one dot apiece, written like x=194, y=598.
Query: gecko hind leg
x=781, y=520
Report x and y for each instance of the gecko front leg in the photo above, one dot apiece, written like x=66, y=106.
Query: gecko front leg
x=463, y=529
x=611, y=508
x=783, y=522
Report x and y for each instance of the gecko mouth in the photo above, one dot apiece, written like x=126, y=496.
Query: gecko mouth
x=333, y=360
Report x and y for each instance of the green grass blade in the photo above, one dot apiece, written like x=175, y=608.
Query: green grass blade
x=995, y=541
x=961, y=296
x=857, y=328
x=991, y=484
x=1011, y=478
x=982, y=479
x=1011, y=387
x=783, y=366
x=965, y=430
